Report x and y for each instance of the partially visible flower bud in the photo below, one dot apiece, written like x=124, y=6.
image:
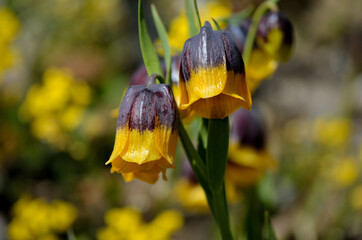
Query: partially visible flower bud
x=212, y=75
x=248, y=129
x=147, y=133
x=248, y=156
x=261, y=65
x=239, y=33
x=275, y=35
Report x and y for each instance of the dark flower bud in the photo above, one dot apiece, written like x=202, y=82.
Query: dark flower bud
x=212, y=75
x=147, y=133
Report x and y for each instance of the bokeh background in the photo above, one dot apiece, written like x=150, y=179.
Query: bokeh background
x=64, y=67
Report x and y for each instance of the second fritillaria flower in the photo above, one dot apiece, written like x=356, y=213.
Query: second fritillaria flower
x=275, y=35
x=212, y=75
x=147, y=132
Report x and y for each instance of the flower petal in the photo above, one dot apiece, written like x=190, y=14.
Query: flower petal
x=120, y=144
x=141, y=147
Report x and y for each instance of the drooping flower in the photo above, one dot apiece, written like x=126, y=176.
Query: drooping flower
x=261, y=65
x=275, y=35
x=273, y=43
x=147, y=132
x=212, y=76
x=248, y=156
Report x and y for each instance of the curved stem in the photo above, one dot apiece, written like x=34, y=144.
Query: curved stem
x=265, y=6
x=152, y=79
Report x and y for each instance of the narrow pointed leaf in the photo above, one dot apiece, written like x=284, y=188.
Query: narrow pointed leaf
x=162, y=34
x=149, y=54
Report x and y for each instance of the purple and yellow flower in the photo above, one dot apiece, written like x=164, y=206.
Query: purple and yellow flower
x=261, y=65
x=147, y=133
x=275, y=35
x=248, y=156
x=212, y=75
x=273, y=43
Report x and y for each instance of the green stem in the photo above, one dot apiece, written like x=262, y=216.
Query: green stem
x=265, y=6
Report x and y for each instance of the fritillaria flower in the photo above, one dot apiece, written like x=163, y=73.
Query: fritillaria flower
x=273, y=43
x=248, y=156
x=147, y=133
x=261, y=65
x=275, y=35
x=212, y=75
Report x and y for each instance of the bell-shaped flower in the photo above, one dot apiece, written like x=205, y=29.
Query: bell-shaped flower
x=261, y=65
x=275, y=35
x=147, y=133
x=248, y=156
x=212, y=75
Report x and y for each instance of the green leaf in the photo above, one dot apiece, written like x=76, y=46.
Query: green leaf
x=217, y=152
x=254, y=215
x=268, y=228
x=149, y=54
x=162, y=34
x=221, y=213
x=190, y=17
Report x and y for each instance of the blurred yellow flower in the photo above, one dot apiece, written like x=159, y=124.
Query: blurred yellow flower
x=179, y=29
x=62, y=215
x=355, y=197
x=247, y=165
x=37, y=219
x=127, y=224
x=191, y=196
x=332, y=132
x=260, y=67
x=56, y=107
x=344, y=172
x=9, y=27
